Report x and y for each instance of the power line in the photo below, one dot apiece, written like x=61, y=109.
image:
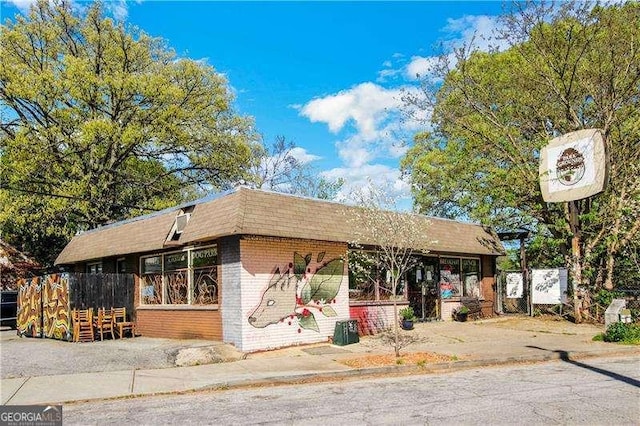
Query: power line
x=69, y=197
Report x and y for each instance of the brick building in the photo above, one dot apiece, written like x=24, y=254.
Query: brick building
x=262, y=270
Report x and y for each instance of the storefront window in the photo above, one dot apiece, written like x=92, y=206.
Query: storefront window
x=460, y=277
x=205, y=276
x=363, y=276
x=369, y=281
x=151, y=280
x=450, y=284
x=471, y=277
x=175, y=278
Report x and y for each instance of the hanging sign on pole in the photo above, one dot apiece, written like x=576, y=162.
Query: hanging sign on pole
x=573, y=166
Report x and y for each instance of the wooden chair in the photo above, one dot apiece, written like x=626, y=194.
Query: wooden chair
x=120, y=322
x=82, y=325
x=104, y=322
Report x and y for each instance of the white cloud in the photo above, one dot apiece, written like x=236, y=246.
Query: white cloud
x=368, y=116
x=479, y=32
x=23, y=5
x=366, y=104
x=302, y=155
x=380, y=175
x=371, y=119
x=388, y=74
x=116, y=8
x=420, y=66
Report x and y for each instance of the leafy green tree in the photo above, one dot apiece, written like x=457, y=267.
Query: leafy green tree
x=569, y=66
x=101, y=122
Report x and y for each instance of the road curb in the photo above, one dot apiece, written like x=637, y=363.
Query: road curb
x=441, y=367
x=372, y=372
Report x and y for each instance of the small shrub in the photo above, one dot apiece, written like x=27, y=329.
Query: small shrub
x=407, y=313
x=623, y=332
x=399, y=361
x=604, y=297
x=598, y=337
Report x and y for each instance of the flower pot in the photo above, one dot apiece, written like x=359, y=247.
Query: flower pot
x=462, y=317
x=407, y=324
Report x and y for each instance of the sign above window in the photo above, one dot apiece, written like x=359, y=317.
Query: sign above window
x=204, y=257
x=152, y=265
x=175, y=261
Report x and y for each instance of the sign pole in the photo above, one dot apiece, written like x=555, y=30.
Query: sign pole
x=574, y=225
x=574, y=167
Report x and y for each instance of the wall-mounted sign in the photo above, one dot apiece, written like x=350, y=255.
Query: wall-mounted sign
x=549, y=286
x=573, y=166
x=514, y=285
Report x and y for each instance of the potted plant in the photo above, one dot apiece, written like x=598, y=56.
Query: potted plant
x=408, y=317
x=461, y=313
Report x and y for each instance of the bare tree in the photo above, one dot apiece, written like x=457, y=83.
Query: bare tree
x=277, y=168
x=392, y=239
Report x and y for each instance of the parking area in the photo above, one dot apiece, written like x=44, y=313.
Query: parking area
x=25, y=356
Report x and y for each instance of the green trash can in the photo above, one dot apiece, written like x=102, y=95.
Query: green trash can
x=346, y=332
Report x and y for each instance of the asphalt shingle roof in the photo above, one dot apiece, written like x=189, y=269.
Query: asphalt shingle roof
x=247, y=211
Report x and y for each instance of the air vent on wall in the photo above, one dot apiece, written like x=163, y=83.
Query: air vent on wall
x=181, y=222
x=178, y=227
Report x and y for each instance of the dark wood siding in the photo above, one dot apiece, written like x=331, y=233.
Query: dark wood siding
x=179, y=323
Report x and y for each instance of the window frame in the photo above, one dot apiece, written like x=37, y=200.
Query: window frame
x=463, y=286
x=188, y=271
x=381, y=284
x=97, y=265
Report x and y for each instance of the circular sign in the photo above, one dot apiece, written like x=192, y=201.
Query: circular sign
x=570, y=167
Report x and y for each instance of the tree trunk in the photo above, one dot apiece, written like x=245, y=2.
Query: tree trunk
x=608, y=282
x=396, y=335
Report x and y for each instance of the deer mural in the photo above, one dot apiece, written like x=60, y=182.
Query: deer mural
x=296, y=293
x=278, y=300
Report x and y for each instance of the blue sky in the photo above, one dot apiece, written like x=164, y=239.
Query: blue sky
x=326, y=75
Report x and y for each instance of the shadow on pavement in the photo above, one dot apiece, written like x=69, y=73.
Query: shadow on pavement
x=564, y=356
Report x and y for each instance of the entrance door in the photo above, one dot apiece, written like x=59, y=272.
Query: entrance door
x=423, y=289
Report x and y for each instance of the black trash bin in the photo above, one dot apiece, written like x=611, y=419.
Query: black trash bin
x=346, y=332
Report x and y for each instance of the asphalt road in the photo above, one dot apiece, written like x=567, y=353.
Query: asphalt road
x=594, y=391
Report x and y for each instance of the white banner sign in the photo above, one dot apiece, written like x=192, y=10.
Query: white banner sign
x=514, y=285
x=549, y=286
x=573, y=166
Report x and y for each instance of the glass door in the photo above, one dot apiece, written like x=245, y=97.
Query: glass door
x=423, y=289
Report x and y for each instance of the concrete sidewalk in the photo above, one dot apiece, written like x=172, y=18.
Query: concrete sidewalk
x=471, y=345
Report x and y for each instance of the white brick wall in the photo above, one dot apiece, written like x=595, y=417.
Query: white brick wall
x=231, y=294
x=447, y=309
x=260, y=257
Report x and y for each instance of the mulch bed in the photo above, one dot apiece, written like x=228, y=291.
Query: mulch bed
x=414, y=358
